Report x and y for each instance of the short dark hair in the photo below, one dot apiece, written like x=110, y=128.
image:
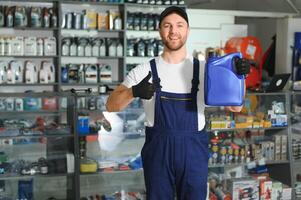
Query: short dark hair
x=173, y=9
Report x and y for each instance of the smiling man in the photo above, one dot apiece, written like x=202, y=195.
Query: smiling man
x=175, y=153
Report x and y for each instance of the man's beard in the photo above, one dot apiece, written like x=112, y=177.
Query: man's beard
x=170, y=46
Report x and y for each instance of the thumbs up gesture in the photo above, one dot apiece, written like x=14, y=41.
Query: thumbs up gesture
x=144, y=89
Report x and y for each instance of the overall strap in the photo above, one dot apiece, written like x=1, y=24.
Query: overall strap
x=196, y=72
x=156, y=79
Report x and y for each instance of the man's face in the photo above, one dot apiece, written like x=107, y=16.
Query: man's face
x=174, y=31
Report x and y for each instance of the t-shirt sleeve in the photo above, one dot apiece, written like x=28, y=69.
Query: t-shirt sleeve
x=136, y=75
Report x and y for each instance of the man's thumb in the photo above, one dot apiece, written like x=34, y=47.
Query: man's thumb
x=148, y=76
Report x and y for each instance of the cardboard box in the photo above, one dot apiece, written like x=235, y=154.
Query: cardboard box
x=284, y=147
x=276, y=190
x=265, y=189
x=244, y=188
x=277, y=139
x=286, y=193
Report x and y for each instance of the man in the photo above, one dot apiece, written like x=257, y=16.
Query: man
x=175, y=153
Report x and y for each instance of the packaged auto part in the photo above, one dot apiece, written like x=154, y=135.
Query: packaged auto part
x=88, y=48
x=105, y=73
x=30, y=46
x=19, y=104
x=102, y=48
x=112, y=48
x=73, y=48
x=91, y=74
x=20, y=19
x=46, y=18
x=17, y=69
x=66, y=46
x=50, y=46
x=3, y=71
x=36, y=17
x=31, y=72
x=17, y=46
x=40, y=47
x=95, y=47
x=73, y=73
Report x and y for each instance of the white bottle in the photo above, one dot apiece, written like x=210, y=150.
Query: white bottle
x=2, y=46
x=40, y=47
x=7, y=47
x=19, y=104
x=73, y=49
x=102, y=49
x=119, y=51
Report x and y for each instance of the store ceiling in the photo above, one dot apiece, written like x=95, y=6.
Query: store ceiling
x=288, y=6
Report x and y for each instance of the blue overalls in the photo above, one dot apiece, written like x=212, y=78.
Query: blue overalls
x=175, y=153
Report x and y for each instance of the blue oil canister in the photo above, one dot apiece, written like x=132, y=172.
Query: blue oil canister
x=223, y=87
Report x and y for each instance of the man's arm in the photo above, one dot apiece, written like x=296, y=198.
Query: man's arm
x=119, y=99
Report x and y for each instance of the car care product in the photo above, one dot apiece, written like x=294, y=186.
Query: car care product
x=166, y=2
x=145, y=1
x=68, y=20
x=95, y=47
x=31, y=104
x=130, y=47
x=1, y=16
x=46, y=18
x=20, y=17
x=73, y=48
x=152, y=2
x=35, y=17
x=157, y=21
x=46, y=73
x=81, y=45
x=159, y=2
x=53, y=18
x=30, y=46
x=77, y=20
x=40, y=47
x=7, y=46
x=64, y=74
x=119, y=49
x=102, y=21
x=17, y=46
x=31, y=72
x=9, y=22
x=223, y=87
x=140, y=48
x=102, y=48
x=19, y=104
x=84, y=21
x=174, y=2
x=143, y=22
x=160, y=47
x=49, y=103
x=91, y=73
x=50, y=46
x=17, y=70
x=83, y=124
x=91, y=19
x=112, y=48
x=117, y=23
x=9, y=104
x=150, y=47
x=64, y=20
x=81, y=73
x=91, y=104
x=130, y=21
x=105, y=73
x=66, y=46
x=2, y=46
x=137, y=17
x=88, y=48
x=150, y=22
x=181, y=2
x=3, y=71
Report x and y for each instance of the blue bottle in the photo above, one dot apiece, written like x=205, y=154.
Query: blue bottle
x=223, y=87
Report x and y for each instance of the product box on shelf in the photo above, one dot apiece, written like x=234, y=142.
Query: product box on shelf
x=276, y=190
x=265, y=189
x=243, y=188
x=277, y=139
x=284, y=147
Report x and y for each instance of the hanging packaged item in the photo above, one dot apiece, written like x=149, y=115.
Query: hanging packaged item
x=105, y=73
x=36, y=17
x=17, y=45
x=88, y=48
x=3, y=72
x=40, y=47
x=30, y=46
x=17, y=70
x=1, y=16
x=102, y=48
x=73, y=47
x=95, y=47
x=20, y=17
x=66, y=46
x=91, y=73
x=50, y=46
x=223, y=87
x=31, y=72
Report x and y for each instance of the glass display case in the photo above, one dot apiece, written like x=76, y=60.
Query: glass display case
x=36, y=146
x=109, y=149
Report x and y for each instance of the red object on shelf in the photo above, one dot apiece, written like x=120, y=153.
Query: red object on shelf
x=250, y=48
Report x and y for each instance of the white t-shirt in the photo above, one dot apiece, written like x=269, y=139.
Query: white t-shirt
x=175, y=78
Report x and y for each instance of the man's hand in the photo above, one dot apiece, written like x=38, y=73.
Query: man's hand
x=144, y=89
x=242, y=66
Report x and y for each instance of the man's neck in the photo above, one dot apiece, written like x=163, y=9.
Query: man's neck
x=174, y=57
